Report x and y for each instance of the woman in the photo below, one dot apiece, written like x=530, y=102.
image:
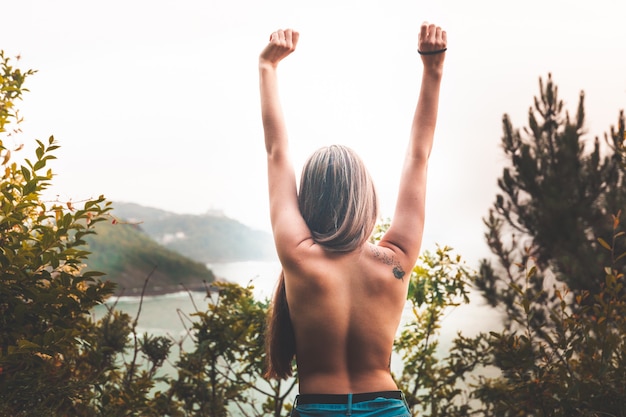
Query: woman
x=340, y=298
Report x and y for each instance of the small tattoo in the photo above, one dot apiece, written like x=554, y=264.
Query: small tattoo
x=398, y=272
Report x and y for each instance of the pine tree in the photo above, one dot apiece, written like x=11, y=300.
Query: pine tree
x=556, y=200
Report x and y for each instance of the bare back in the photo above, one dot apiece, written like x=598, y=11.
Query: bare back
x=345, y=309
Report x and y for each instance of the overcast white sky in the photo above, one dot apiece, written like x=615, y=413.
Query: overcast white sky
x=156, y=102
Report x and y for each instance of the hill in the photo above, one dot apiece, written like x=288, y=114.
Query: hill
x=206, y=238
x=128, y=255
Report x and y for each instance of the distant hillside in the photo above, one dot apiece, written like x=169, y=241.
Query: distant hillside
x=128, y=255
x=204, y=238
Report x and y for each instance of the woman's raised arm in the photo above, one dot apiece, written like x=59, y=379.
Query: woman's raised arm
x=405, y=231
x=287, y=224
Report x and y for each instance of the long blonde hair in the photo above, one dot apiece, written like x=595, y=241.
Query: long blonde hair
x=338, y=202
x=337, y=198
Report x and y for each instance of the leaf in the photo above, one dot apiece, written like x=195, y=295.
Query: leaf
x=89, y=274
x=39, y=164
x=27, y=345
x=25, y=173
x=29, y=187
x=604, y=244
x=39, y=151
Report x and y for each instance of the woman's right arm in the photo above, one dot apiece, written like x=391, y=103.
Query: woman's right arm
x=405, y=232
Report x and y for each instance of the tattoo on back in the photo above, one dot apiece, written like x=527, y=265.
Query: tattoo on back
x=397, y=270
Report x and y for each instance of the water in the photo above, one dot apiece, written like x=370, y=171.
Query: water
x=261, y=274
x=168, y=314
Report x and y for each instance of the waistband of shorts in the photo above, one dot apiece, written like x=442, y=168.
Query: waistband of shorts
x=344, y=399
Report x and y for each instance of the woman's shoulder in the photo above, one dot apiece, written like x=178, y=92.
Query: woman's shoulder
x=390, y=258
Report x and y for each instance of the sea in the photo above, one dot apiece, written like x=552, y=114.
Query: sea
x=170, y=314
x=167, y=314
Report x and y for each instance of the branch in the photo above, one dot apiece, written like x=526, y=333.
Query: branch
x=131, y=371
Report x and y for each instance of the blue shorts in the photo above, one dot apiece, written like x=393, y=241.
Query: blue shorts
x=370, y=404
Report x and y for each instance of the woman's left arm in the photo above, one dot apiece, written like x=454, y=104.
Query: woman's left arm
x=288, y=226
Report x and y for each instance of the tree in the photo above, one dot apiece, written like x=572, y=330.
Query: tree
x=556, y=199
x=560, y=251
x=225, y=370
x=576, y=365
x=45, y=299
x=54, y=359
x=432, y=382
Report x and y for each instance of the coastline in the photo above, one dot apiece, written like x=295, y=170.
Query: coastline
x=156, y=290
x=244, y=272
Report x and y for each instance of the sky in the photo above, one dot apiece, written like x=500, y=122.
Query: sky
x=156, y=102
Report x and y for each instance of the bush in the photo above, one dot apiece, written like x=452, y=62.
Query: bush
x=576, y=365
x=54, y=359
x=45, y=299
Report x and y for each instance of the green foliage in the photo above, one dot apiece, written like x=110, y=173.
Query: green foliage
x=228, y=362
x=11, y=81
x=431, y=384
x=575, y=365
x=54, y=359
x=562, y=350
x=45, y=298
x=127, y=387
x=555, y=199
x=434, y=385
